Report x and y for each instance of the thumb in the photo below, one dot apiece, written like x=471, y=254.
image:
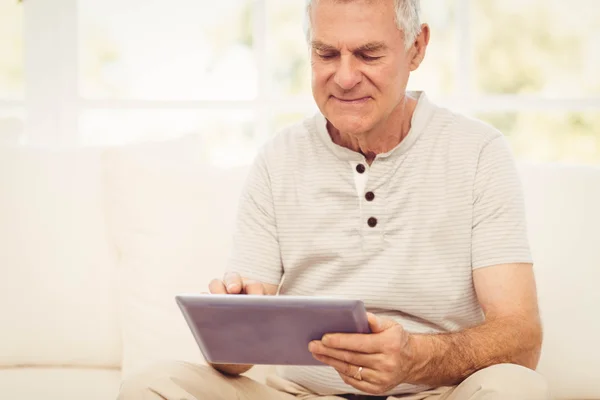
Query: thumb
x=378, y=324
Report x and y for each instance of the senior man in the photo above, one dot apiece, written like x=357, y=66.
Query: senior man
x=385, y=197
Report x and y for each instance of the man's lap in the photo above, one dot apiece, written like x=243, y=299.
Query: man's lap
x=185, y=381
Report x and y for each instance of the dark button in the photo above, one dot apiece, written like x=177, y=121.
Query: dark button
x=370, y=196
x=360, y=169
x=372, y=222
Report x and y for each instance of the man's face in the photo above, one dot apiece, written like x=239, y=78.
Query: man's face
x=359, y=64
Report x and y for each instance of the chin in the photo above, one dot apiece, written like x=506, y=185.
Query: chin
x=351, y=124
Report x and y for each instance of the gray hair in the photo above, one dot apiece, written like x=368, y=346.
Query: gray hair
x=407, y=18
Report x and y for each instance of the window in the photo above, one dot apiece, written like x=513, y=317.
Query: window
x=439, y=76
x=238, y=70
x=552, y=135
x=11, y=71
x=167, y=50
x=537, y=47
x=538, y=60
x=11, y=50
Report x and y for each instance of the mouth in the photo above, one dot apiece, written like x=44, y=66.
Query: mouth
x=357, y=100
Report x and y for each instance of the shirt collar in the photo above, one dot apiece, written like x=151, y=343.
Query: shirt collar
x=421, y=117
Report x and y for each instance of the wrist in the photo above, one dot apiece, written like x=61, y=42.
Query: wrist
x=423, y=349
x=231, y=369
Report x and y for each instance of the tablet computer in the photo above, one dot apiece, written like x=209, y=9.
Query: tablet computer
x=268, y=330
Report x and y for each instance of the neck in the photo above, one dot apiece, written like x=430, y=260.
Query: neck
x=383, y=137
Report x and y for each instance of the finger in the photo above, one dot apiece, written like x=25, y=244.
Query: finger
x=366, y=360
x=233, y=282
x=340, y=366
x=350, y=370
x=357, y=342
x=254, y=287
x=365, y=385
x=373, y=323
x=379, y=324
x=217, y=287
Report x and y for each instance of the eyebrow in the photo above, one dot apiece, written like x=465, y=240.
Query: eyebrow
x=372, y=47
x=318, y=45
x=368, y=47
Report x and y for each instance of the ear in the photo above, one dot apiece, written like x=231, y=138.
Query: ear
x=419, y=48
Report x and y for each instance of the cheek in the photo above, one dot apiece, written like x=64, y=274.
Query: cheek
x=320, y=73
x=391, y=81
x=319, y=83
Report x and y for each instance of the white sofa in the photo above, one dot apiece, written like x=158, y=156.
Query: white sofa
x=94, y=243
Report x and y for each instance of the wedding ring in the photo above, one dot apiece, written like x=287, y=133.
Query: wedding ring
x=358, y=375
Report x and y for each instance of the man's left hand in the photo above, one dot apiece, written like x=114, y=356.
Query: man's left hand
x=385, y=355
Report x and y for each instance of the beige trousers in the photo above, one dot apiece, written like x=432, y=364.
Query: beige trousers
x=184, y=381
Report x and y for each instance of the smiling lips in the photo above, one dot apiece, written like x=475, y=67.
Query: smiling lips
x=358, y=100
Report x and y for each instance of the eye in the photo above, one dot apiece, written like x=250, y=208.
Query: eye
x=326, y=56
x=369, y=58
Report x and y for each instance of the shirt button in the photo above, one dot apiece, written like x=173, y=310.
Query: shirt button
x=370, y=196
x=360, y=169
x=372, y=222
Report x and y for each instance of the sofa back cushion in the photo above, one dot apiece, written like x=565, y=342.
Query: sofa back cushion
x=563, y=212
x=171, y=217
x=57, y=291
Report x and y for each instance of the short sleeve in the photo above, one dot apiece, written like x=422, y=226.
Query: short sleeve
x=499, y=233
x=255, y=250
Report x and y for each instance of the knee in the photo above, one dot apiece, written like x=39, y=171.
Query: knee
x=511, y=381
x=161, y=381
x=138, y=386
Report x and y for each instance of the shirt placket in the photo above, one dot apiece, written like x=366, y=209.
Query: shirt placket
x=370, y=224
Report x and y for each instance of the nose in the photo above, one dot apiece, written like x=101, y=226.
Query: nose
x=347, y=75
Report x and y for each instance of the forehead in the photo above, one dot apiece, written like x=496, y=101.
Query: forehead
x=352, y=23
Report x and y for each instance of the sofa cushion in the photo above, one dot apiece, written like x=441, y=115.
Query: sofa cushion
x=59, y=384
x=563, y=212
x=57, y=292
x=171, y=217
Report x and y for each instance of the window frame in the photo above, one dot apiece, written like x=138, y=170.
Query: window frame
x=53, y=104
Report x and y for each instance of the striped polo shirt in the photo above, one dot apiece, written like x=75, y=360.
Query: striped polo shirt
x=403, y=234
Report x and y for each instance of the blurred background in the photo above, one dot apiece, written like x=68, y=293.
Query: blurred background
x=112, y=72
x=110, y=111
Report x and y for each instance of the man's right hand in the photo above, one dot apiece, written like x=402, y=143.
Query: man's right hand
x=233, y=283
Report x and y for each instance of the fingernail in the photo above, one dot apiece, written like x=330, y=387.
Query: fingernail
x=231, y=286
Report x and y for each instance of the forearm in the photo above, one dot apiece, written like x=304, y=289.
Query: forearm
x=447, y=359
x=232, y=369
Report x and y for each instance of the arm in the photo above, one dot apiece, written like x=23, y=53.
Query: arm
x=505, y=289
x=390, y=355
x=511, y=332
x=255, y=249
x=233, y=284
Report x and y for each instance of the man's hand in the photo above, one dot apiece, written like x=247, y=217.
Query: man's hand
x=385, y=355
x=233, y=283
x=511, y=334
